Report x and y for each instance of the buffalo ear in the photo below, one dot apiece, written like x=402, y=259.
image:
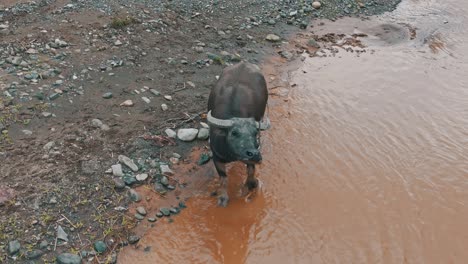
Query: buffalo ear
x=223, y=123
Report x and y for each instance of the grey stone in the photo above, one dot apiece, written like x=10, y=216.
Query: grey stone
x=187, y=134
x=68, y=258
x=165, y=170
x=117, y=170
x=100, y=246
x=142, y=177
x=141, y=210
x=128, y=162
x=14, y=247
x=61, y=234
x=134, y=195
x=203, y=133
x=133, y=239
x=273, y=38
x=170, y=133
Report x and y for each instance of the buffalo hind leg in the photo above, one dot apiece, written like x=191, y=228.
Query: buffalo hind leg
x=223, y=197
x=251, y=182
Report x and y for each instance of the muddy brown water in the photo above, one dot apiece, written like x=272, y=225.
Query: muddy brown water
x=367, y=161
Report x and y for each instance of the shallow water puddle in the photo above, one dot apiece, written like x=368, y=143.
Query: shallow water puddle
x=367, y=160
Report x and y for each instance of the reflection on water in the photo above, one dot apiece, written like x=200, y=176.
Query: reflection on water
x=367, y=161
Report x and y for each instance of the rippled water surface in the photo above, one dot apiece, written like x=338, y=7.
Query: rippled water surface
x=367, y=161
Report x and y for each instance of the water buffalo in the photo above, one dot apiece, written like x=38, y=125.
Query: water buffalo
x=236, y=107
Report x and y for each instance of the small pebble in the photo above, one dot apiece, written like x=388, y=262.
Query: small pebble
x=141, y=210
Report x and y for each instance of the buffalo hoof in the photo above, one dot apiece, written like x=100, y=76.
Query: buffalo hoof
x=251, y=184
x=223, y=199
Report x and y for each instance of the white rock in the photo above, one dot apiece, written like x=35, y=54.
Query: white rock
x=141, y=177
x=316, y=5
x=27, y=132
x=146, y=99
x=117, y=170
x=205, y=125
x=127, y=103
x=96, y=123
x=191, y=84
x=49, y=146
x=174, y=160
x=273, y=38
x=3, y=26
x=187, y=134
x=168, y=97
x=164, y=107
x=155, y=92
x=203, y=133
x=118, y=43
x=105, y=127
x=128, y=162
x=170, y=133
x=165, y=170
x=31, y=51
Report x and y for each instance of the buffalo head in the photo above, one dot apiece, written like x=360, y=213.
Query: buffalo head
x=242, y=136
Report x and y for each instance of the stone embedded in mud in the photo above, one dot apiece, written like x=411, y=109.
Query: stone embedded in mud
x=128, y=162
x=14, y=247
x=100, y=246
x=316, y=4
x=134, y=195
x=165, y=170
x=187, y=134
x=107, y=95
x=174, y=211
x=133, y=239
x=170, y=187
x=286, y=54
x=170, y=133
x=313, y=43
x=182, y=205
x=159, y=214
x=164, y=181
x=141, y=210
x=152, y=219
x=273, y=38
x=165, y=211
x=164, y=107
x=139, y=216
x=168, y=97
x=203, y=133
x=68, y=258
x=204, y=158
x=158, y=187
x=117, y=170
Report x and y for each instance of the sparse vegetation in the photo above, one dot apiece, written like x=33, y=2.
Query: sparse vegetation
x=119, y=22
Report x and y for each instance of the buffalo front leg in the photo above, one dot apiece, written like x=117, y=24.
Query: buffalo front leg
x=251, y=182
x=223, y=197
